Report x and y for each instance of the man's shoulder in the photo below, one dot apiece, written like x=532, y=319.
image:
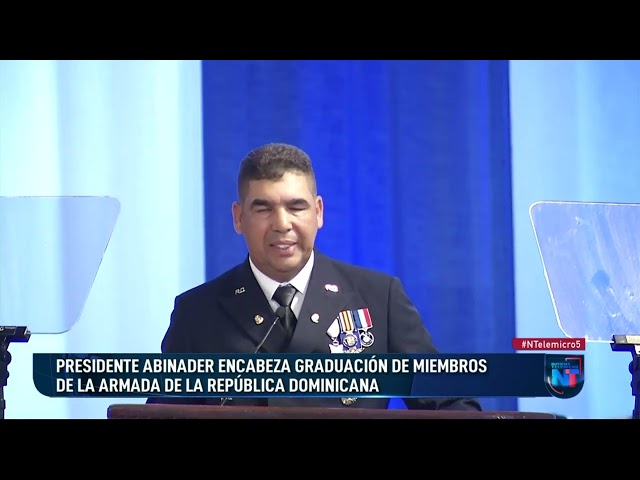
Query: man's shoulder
x=358, y=272
x=214, y=287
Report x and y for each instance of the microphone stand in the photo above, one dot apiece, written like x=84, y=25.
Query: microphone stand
x=279, y=314
x=631, y=343
x=8, y=335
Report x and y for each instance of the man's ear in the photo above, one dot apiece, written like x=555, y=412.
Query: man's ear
x=236, y=213
x=319, y=211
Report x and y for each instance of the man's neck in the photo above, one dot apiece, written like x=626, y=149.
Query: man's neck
x=299, y=280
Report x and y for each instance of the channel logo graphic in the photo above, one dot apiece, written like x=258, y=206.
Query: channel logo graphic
x=564, y=375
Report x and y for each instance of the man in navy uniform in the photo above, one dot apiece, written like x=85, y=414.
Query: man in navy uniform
x=323, y=305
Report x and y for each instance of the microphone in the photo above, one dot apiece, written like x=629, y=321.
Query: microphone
x=280, y=312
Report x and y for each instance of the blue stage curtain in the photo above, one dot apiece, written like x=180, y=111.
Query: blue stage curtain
x=413, y=161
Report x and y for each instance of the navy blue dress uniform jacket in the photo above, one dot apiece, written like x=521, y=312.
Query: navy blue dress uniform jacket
x=219, y=317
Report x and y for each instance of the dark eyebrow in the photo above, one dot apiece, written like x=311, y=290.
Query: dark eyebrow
x=296, y=202
x=260, y=202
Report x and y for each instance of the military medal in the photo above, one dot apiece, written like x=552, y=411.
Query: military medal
x=366, y=338
x=349, y=340
x=363, y=324
x=349, y=336
x=354, y=334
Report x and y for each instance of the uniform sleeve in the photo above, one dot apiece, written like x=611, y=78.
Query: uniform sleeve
x=178, y=340
x=408, y=334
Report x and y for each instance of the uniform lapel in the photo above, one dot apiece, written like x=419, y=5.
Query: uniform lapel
x=245, y=303
x=327, y=294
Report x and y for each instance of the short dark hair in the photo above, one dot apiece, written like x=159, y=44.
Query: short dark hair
x=271, y=162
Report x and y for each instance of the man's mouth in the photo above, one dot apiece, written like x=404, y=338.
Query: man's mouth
x=283, y=246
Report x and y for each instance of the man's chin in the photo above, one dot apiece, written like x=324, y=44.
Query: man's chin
x=288, y=267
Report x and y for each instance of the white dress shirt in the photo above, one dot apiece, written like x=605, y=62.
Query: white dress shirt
x=300, y=281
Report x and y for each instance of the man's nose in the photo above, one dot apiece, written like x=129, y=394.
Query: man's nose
x=281, y=220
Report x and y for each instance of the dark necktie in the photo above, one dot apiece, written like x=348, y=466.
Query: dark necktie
x=284, y=296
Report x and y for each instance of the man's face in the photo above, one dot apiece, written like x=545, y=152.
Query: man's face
x=279, y=221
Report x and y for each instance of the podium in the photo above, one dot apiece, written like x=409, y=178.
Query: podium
x=216, y=412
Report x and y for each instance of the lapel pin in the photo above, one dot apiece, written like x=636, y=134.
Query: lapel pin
x=315, y=318
x=239, y=290
x=258, y=319
x=331, y=288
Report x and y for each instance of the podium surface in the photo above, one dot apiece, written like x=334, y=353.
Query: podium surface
x=161, y=411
